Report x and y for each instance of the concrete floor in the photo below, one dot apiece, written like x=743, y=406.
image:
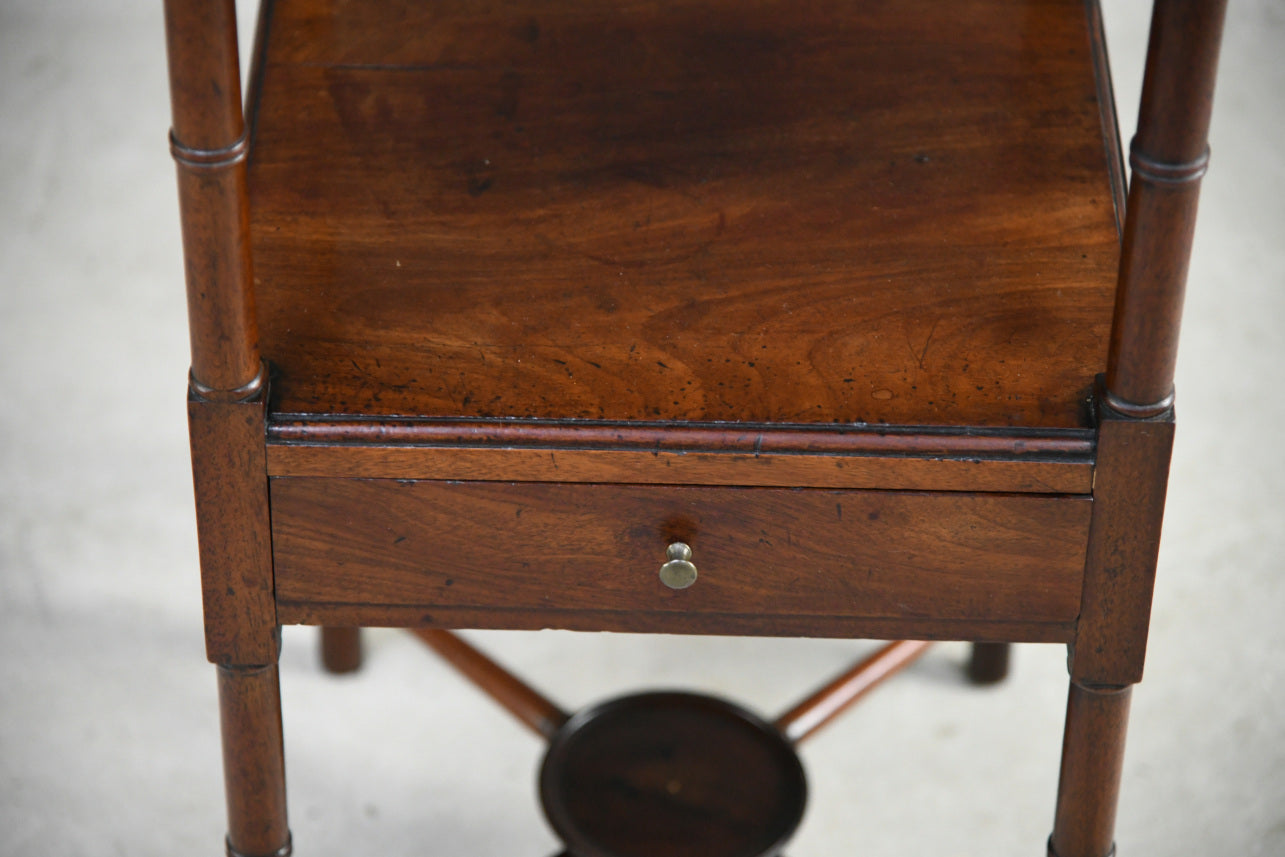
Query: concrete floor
x=108, y=729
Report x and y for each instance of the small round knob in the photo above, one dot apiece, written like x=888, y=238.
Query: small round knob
x=678, y=573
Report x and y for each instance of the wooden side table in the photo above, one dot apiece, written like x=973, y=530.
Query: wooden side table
x=494, y=303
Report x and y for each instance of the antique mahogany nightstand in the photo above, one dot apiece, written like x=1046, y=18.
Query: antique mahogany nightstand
x=498, y=307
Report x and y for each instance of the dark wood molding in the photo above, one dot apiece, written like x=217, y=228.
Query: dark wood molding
x=897, y=458
x=1048, y=444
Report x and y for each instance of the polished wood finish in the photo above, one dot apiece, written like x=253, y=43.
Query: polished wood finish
x=230, y=480
x=1135, y=413
x=594, y=550
x=1169, y=155
x=1019, y=445
x=253, y=761
x=710, y=210
x=341, y=650
x=832, y=699
x=521, y=700
x=674, y=774
x=1092, y=757
x=544, y=286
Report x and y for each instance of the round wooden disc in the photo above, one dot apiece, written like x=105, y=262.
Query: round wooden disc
x=673, y=774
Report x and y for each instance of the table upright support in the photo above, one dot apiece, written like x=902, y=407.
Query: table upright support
x=1096, y=721
x=209, y=143
x=1168, y=155
x=226, y=406
x=253, y=762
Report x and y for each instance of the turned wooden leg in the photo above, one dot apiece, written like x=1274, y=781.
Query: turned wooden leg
x=341, y=649
x=1092, y=758
x=253, y=761
x=988, y=663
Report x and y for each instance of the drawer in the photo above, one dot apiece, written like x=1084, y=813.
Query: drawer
x=771, y=561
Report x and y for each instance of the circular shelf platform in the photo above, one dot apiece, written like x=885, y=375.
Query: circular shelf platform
x=678, y=774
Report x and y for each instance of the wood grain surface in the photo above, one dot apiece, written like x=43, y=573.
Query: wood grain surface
x=749, y=211
x=502, y=549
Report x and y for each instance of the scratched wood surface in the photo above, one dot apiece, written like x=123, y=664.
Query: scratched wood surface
x=566, y=550
x=714, y=210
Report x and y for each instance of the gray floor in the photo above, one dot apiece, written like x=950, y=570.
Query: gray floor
x=108, y=739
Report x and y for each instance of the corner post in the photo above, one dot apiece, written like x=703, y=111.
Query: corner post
x=209, y=143
x=1092, y=760
x=228, y=383
x=1169, y=155
x=254, y=771
x=227, y=398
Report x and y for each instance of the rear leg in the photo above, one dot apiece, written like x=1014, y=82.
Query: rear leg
x=341, y=649
x=988, y=663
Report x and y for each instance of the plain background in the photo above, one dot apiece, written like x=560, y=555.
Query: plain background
x=108, y=725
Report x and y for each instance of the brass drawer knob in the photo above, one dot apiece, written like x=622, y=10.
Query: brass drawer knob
x=678, y=573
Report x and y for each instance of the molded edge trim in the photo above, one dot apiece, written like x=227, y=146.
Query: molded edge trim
x=869, y=457
x=964, y=442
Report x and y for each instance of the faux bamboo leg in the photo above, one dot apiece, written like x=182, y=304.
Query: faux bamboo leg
x=829, y=701
x=209, y=143
x=253, y=762
x=341, y=649
x=1092, y=757
x=520, y=699
x=1168, y=155
x=988, y=662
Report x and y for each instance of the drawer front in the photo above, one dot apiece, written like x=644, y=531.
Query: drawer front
x=490, y=554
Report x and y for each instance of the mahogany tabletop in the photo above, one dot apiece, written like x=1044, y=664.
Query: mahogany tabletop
x=763, y=211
